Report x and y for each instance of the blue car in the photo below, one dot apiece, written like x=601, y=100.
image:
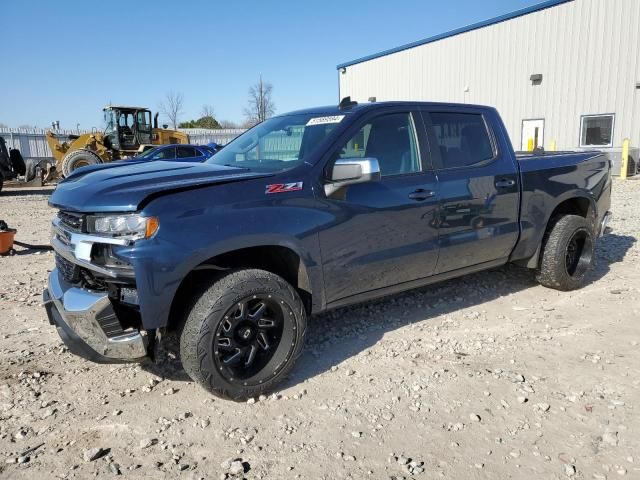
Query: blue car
x=178, y=153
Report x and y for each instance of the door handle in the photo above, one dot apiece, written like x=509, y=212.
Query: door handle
x=421, y=194
x=505, y=183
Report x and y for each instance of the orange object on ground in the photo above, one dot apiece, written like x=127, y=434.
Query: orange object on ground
x=6, y=241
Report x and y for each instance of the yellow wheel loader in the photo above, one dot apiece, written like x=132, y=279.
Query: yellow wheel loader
x=127, y=130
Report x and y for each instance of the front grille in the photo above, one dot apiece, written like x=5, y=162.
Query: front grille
x=69, y=271
x=109, y=322
x=71, y=220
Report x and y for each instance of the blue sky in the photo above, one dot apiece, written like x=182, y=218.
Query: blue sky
x=65, y=60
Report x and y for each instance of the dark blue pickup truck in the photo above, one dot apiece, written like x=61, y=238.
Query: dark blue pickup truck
x=306, y=212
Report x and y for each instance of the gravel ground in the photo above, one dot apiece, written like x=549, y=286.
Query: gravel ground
x=487, y=376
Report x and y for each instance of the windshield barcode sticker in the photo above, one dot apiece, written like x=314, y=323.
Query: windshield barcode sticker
x=325, y=120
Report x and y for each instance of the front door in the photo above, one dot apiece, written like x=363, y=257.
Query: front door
x=382, y=233
x=532, y=134
x=478, y=190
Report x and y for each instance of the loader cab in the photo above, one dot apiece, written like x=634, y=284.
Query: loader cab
x=126, y=128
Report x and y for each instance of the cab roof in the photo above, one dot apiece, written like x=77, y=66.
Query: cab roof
x=123, y=107
x=359, y=107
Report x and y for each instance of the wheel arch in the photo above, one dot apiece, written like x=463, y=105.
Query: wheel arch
x=282, y=258
x=574, y=203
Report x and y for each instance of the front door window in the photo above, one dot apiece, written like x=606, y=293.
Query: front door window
x=391, y=139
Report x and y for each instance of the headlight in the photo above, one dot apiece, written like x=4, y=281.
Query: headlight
x=131, y=227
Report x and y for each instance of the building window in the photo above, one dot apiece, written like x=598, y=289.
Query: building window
x=596, y=131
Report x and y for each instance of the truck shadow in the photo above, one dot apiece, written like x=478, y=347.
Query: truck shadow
x=337, y=335
x=20, y=192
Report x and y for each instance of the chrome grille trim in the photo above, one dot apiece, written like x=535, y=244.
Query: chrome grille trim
x=76, y=248
x=72, y=221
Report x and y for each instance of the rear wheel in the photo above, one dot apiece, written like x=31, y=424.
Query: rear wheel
x=567, y=257
x=243, y=334
x=632, y=168
x=77, y=159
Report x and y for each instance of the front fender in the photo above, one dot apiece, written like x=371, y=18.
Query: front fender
x=189, y=238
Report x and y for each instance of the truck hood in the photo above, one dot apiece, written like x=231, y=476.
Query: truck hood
x=123, y=187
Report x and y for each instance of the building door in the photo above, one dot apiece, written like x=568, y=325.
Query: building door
x=532, y=130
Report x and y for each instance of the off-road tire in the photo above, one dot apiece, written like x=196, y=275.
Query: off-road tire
x=632, y=168
x=17, y=162
x=77, y=159
x=205, y=314
x=554, y=271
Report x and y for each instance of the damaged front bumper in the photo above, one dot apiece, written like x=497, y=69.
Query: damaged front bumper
x=88, y=325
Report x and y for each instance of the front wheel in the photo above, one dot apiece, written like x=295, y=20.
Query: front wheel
x=243, y=334
x=567, y=256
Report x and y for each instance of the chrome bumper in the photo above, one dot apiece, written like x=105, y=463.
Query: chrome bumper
x=77, y=314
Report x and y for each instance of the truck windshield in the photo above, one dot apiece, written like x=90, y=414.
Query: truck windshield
x=279, y=143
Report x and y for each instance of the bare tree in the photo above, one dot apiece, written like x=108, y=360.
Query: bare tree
x=260, y=105
x=208, y=111
x=172, y=107
x=228, y=124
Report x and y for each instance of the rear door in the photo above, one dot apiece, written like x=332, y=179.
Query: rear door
x=478, y=188
x=382, y=233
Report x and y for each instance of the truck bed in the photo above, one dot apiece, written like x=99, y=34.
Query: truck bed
x=548, y=179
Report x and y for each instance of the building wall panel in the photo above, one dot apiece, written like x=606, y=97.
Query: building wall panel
x=587, y=50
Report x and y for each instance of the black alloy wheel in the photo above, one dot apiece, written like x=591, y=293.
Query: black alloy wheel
x=250, y=336
x=568, y=251
x=578, y=254
x=243, y=333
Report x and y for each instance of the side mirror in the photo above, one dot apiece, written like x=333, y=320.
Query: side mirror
x=350, y=171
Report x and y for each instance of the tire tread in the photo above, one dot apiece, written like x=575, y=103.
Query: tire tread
x=552, y=272
x=67, y=161
x=214, y=298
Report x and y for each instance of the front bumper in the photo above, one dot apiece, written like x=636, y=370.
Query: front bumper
x=83, y=317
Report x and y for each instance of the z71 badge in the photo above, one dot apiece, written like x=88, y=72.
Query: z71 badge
x=283, y=187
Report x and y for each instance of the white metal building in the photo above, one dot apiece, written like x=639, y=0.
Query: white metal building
x=563, y=71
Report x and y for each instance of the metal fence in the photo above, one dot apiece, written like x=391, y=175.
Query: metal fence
x=202, y=136
x=32, y=142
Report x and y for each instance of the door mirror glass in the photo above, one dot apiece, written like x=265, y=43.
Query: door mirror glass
x=350, y=171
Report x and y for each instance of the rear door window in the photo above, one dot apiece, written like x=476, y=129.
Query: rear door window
x=186, y=152
x=462, y=138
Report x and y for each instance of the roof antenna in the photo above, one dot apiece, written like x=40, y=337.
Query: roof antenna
x=346, y=102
